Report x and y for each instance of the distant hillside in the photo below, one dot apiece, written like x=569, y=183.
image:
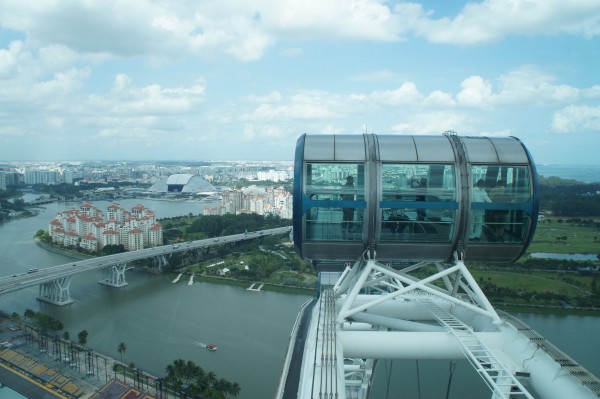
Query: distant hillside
x=569, y=197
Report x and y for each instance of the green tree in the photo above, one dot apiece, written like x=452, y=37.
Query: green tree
x=121, y=349
x=45, y=322
x=19, y=204
x=112, y=249
x=82, y=337
x=29, y=314
x=197, y=382
x=66, y=336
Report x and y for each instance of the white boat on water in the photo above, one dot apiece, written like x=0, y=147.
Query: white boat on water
x=211, y=198
x=211, y=347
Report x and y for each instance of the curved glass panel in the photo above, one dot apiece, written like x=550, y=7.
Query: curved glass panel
x=418, y=202
x=501, y=195
x=328, y=224
x=428, y=182
x=516, y=181
x=335, y=200
x=404, y=225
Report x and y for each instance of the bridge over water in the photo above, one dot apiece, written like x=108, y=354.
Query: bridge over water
x=54, y=281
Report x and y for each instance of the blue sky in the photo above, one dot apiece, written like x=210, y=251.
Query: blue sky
x=233, y=79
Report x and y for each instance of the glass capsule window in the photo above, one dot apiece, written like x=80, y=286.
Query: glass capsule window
x=418, y=202
x=335, y=200
x=498, y=195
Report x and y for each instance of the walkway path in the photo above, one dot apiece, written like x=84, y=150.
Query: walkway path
x=251, y=288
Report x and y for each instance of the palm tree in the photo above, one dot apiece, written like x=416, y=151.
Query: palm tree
x=235, y=389
x=122, y=348
x=82, y=337
x=211, y=378
x=29, y=314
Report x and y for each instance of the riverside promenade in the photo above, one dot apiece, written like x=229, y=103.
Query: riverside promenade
x=41, y=367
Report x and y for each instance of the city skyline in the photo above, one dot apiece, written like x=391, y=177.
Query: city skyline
x=138, y=80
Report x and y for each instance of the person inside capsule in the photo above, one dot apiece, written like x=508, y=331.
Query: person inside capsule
x=348, y=213
x=497, y=219
x=479, y=195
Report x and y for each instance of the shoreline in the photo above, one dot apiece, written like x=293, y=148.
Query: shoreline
x=292, y=290
x=61, y=251
x=27, y=340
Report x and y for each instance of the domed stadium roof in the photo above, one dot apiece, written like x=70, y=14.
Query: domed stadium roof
x=182, y=183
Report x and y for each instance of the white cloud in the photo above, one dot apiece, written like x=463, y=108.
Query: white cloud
x=62, y=84
x=492, y=20
x=591, y=92
x=529, y=84
x=438, y=98
x=246, y=30
x=328, y=19
x=265, y=132
x=117, y=27
x=163, y=28
x=475, y=92
x=433, y=123
x=310, y=105
x=406, y=94
x=577, y=119
x=9, y=58
x=152, y=99
x=124, y=70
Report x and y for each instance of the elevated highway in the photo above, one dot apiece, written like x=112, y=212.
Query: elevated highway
x=54, y=281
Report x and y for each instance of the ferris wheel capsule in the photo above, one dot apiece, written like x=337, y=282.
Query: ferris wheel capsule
x=413, y=198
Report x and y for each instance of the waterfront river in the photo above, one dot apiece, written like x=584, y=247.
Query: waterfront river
x=160, y=321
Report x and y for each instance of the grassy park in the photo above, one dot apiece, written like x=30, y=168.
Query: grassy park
x=559, y=236
x=530, y=284
x=546, y=285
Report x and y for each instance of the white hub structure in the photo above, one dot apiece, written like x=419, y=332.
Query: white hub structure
x=420, y=311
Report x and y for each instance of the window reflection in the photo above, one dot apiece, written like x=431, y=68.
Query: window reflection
x=336, y=194
x=498, y=191
x=418, y=202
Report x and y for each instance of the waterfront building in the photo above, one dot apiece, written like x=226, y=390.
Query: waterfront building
x=71, y=239
x=9, y=179
x=135, y=240
x=42, y=177
x=59, y=236
x=89, y=242
x=272, y=175
x=183, y=184
x=110, y=237
x=260, y=200
x=155, y=234
x=88, y=227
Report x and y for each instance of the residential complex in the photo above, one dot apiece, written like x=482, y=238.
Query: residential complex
x=89, y=228
x=261, y=200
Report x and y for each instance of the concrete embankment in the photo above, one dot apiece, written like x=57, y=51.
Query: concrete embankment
x=65, y=252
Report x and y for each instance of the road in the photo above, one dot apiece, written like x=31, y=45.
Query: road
x=37, y=276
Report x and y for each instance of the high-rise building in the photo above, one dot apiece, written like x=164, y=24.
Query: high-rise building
x=88, y=228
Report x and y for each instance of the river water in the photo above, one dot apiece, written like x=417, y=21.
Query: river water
x=160, y=321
